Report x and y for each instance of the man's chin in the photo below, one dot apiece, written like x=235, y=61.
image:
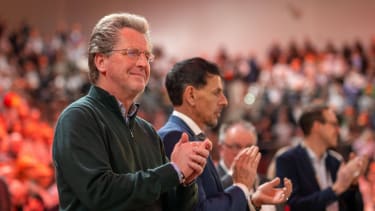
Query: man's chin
x=139, y=85
x=335, y=145
x=212, y=123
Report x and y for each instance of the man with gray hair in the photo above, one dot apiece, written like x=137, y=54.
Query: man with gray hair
x=235, y=136
x=108, y=158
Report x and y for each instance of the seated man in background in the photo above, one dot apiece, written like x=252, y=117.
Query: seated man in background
x=234, y=137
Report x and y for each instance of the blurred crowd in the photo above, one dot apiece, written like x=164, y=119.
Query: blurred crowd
x=40, y=75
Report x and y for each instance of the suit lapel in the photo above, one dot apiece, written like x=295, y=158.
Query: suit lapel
x=181, y=124
x=210, y=166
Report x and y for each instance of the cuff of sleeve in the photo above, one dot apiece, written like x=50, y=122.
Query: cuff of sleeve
x=244, y=188
x=181, y=176
x=247, y=193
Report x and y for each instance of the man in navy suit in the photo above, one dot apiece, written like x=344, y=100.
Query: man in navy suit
x=321, y=180
x=195, y=88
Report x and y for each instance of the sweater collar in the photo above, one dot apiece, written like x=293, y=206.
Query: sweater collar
x=111, y=102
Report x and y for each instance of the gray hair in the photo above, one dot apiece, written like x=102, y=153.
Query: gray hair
x=105, y=35
x=248, y=126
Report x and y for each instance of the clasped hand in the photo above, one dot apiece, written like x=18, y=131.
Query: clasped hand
x=191, y=157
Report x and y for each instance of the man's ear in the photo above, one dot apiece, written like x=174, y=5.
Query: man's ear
x=316, y=125
x=100, y=62
x=189, y=95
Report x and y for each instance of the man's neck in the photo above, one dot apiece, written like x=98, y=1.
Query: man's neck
x=318, y=148
x=189, y=121
x=127, y=99
x=191, y=116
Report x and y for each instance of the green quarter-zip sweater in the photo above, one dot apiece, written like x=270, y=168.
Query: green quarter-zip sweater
x=104, y=163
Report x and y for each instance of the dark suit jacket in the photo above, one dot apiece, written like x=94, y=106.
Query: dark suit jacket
x=225, y=178
x=212, y=196
x=307, y=195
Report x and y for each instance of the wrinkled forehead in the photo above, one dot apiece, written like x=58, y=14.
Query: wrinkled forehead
x=129, y=36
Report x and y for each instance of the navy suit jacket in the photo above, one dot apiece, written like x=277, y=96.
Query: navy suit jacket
x=212, y=196
x=307, y=195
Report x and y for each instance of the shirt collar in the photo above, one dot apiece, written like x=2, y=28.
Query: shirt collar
x=192, y=125
x=132, y=111
x=225, y=168
x=312, y=154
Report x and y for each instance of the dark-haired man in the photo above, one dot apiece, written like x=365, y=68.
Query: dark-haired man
x=321, y=180
x=196, y=90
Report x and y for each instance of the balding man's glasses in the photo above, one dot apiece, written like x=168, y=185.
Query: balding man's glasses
x=236, y=147
x=134, y=53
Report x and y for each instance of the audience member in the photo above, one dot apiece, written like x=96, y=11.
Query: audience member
x=234, y=137
x=196, y=91
x=118, y=156
x=321, y=179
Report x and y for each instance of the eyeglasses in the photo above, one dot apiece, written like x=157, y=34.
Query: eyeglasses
x=235, y=147
x=134, y=53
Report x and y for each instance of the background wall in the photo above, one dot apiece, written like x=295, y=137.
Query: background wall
x=195, y=27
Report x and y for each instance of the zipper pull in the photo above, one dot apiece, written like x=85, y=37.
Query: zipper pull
x=131, y=132
x=129, y=127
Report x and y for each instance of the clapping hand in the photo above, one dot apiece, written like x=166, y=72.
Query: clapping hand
x=245, y=166
x=269, y=193
x=191, y=157
x=357, y=166
x=348, y=173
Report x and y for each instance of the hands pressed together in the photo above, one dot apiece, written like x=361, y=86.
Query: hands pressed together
x=245, y=172
x=191, y=157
